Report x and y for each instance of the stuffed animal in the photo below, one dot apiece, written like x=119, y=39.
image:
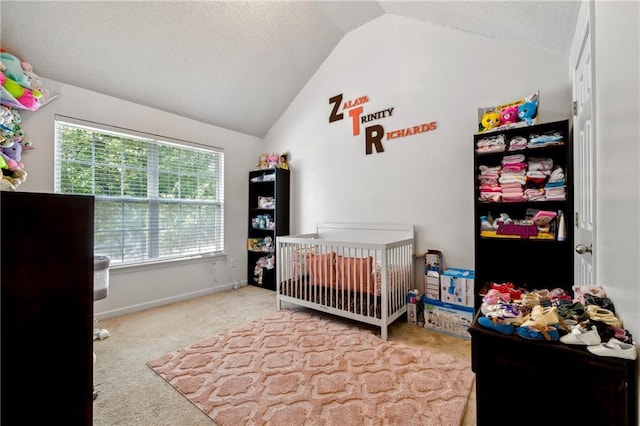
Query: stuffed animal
x=18, y=134
x=508, y=115
x=10, y=130
x=490, y=120
x=12, y=180
x=13, y=69
x=7, y=125
x=24, y=98
x=282, y=161
x=527, y=112
x=32, y=77
x=36, y=84
x=12, y=156
x=27, y=144
x=272, y=160
x=262, y=162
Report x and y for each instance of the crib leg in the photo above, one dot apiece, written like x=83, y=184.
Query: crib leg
x=383, y=333
x=278, y=304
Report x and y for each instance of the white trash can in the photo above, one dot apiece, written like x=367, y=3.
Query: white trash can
x=100, y=277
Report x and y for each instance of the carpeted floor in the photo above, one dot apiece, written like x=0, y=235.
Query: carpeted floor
x=132, y=394
x=296, y=367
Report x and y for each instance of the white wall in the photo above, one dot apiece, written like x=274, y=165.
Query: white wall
x=427, y=73
x=134, y=289
x=617, y=70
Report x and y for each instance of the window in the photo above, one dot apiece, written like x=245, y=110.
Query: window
x=154, y=199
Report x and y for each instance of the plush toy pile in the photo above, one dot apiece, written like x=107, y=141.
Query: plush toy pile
x=20, y=89
x=519, y=113
x=273, y=161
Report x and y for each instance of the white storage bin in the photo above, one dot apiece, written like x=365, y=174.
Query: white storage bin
x=100, y=277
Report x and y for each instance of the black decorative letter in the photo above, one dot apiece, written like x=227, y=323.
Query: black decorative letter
x=374, y=135
x=336, y=101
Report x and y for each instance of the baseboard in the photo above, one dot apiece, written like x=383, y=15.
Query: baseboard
x=167, y=301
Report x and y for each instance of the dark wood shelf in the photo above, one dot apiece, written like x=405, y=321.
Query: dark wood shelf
x=47, y=308
x=529, y=263
x=589, y=389
x=277, y=186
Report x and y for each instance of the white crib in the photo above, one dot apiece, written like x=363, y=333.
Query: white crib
x=358, y=271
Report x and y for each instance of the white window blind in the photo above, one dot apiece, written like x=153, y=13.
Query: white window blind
x=155, y=199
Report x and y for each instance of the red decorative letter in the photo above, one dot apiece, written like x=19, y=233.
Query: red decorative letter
x=355, y=115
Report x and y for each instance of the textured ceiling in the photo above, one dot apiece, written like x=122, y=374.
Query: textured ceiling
x=234, y=64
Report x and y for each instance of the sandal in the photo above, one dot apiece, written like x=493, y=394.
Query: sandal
x=601, y=314
x=538, y=333
x=545, y=316
x=497, y=324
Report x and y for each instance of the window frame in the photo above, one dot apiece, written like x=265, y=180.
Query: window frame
x=153, y=199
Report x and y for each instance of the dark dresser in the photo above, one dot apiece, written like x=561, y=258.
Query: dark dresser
x=46, y=368
x=520, y=381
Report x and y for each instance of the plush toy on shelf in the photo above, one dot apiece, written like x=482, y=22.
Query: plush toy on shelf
x=20, y=86
x=262, y=162
x=12, y=68
x=12, y=180
x=36, y=84
x=272, y=160
x=490, y=120
x=15, y=95
x=282, y=162
x=509, y=115
x=10, y=157
x=527, y=112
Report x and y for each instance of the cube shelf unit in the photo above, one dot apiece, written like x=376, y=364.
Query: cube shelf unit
x=268, y=218
x=528, y=262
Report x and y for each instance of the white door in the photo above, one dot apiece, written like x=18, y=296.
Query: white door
x=584, y=144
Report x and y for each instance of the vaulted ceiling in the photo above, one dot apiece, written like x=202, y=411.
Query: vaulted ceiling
x=235, y=64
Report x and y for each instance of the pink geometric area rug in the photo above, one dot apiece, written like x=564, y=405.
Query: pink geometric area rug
x=299, y=368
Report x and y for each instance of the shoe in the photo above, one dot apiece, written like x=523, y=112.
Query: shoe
x=603, y=302
x=538, y=333
x=536, y=297
x=497, y=325
x=615, y=348
x=574, y=311
x=580, y=336
x=492, y=297
x=508, y=291
x=601, y=314
x=544, y=316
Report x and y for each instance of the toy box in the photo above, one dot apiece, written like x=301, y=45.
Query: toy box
x=432, y=269
x=457, y=287
x=447, y=318
x=432, y=284
x=414, y=308
x=510, y=115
